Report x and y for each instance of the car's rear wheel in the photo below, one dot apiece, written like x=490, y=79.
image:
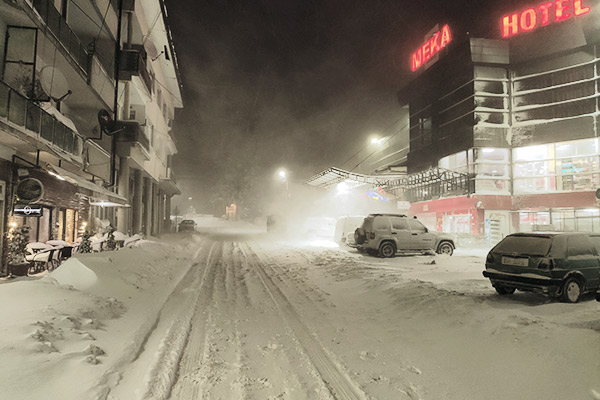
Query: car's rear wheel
x=572, y=290
x=503, y=290
x=445, y=248
x=387, y=250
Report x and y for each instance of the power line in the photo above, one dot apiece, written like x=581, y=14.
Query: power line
x=374, y=151
x=365, y=146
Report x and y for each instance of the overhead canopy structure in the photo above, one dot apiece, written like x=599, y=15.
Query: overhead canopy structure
x=333, y=176
x=432, y=183
x=98, y=195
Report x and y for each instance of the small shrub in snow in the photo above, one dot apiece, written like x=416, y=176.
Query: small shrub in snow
x=111, y=243
x=17, y=244
x=86, y=243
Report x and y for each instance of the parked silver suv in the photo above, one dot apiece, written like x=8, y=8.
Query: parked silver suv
x=387, y=234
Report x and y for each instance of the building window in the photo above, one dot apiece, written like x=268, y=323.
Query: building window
x=420, y=133
x=563, y=167
x=20, y=59
x=491, y=169
x=455, y=162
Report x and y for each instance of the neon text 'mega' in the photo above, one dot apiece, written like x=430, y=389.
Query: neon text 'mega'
x=431, y=47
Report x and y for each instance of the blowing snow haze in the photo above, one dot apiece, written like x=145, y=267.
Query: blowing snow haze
x=292, y=84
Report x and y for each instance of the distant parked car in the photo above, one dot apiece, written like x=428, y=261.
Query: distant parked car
x=564, y=265
x=344, y=230
x=187, y=225
x=387, y=234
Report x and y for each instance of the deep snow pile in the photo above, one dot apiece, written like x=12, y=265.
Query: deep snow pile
x=68, y=331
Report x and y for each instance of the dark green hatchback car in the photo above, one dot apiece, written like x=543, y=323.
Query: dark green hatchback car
x=564, y=265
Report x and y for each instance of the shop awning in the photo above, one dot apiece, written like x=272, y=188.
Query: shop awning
x=333, y=176
x=97, y=194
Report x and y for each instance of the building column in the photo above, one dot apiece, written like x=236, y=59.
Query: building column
x=155, y=207
x=148, y=200
x=137, y=207
x=123, y=191
x=167, y=220
x=161, y=212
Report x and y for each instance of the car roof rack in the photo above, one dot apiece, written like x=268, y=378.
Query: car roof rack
x=388, y=215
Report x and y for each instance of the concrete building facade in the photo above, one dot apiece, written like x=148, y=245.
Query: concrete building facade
x=92, y=134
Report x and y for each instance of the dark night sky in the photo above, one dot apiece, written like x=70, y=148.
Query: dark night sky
x=297, y=84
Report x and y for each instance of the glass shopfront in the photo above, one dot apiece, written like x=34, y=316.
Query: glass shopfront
x=67, y=224
x=491, y=168
x=557, y=167
x=560, y=219
x=40, y=228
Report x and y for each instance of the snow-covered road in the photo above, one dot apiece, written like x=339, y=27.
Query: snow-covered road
x=279, y=320
x=245, y=317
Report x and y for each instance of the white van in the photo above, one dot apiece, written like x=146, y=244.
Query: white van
x=344, y=229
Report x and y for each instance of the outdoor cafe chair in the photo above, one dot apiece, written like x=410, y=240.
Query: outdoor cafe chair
x=48, y=259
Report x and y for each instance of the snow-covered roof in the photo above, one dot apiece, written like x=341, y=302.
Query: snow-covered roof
x=98, y=192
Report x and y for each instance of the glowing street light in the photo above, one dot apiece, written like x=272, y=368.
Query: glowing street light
x=283, y=175
x=377, y=140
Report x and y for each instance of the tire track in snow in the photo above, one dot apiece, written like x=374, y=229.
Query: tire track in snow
x=197, y=334
x=161, y=379
x=340, y=385
x=269, y=347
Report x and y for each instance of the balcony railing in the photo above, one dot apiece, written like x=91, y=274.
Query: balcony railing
x=171, y=175
x=23, y=112
x=131, y=132
x=62, y=32
x=145, y=76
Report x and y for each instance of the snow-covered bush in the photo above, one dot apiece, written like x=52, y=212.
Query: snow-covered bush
x=17, y=244
x=86, y=243
x=111, y=243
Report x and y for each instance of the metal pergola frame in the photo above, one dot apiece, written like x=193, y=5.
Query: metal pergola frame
x=424, y=185
x=332, y=176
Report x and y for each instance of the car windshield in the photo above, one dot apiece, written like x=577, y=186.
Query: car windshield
x=524, y=245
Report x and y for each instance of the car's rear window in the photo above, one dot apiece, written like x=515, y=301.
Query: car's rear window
x=525, y=245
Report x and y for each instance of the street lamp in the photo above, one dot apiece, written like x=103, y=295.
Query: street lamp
x=283, y=176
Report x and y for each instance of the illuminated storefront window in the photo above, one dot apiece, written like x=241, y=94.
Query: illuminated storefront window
x=455, y=162
x=560, y=219
x=559, y=167
x=491, y=170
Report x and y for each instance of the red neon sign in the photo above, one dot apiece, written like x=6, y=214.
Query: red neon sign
x=542, y=15
x=430, y=48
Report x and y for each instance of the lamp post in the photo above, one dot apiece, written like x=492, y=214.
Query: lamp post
x=283, y=176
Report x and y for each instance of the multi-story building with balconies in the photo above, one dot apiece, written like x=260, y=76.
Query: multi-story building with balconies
x=65, y=64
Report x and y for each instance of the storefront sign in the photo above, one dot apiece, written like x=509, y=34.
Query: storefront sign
x=29, y=210
x=542, y=15
x=30, y=190
x=436, y=42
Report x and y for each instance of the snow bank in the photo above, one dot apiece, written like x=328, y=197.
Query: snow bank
x=70, y=331
x=74, y=273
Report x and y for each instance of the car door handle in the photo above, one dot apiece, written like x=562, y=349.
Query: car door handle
x=394, y=233
x=414, y=234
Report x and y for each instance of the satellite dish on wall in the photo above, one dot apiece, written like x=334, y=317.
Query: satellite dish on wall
x=54, y=82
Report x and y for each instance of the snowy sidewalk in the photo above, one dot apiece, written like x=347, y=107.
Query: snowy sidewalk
x=74, y=329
